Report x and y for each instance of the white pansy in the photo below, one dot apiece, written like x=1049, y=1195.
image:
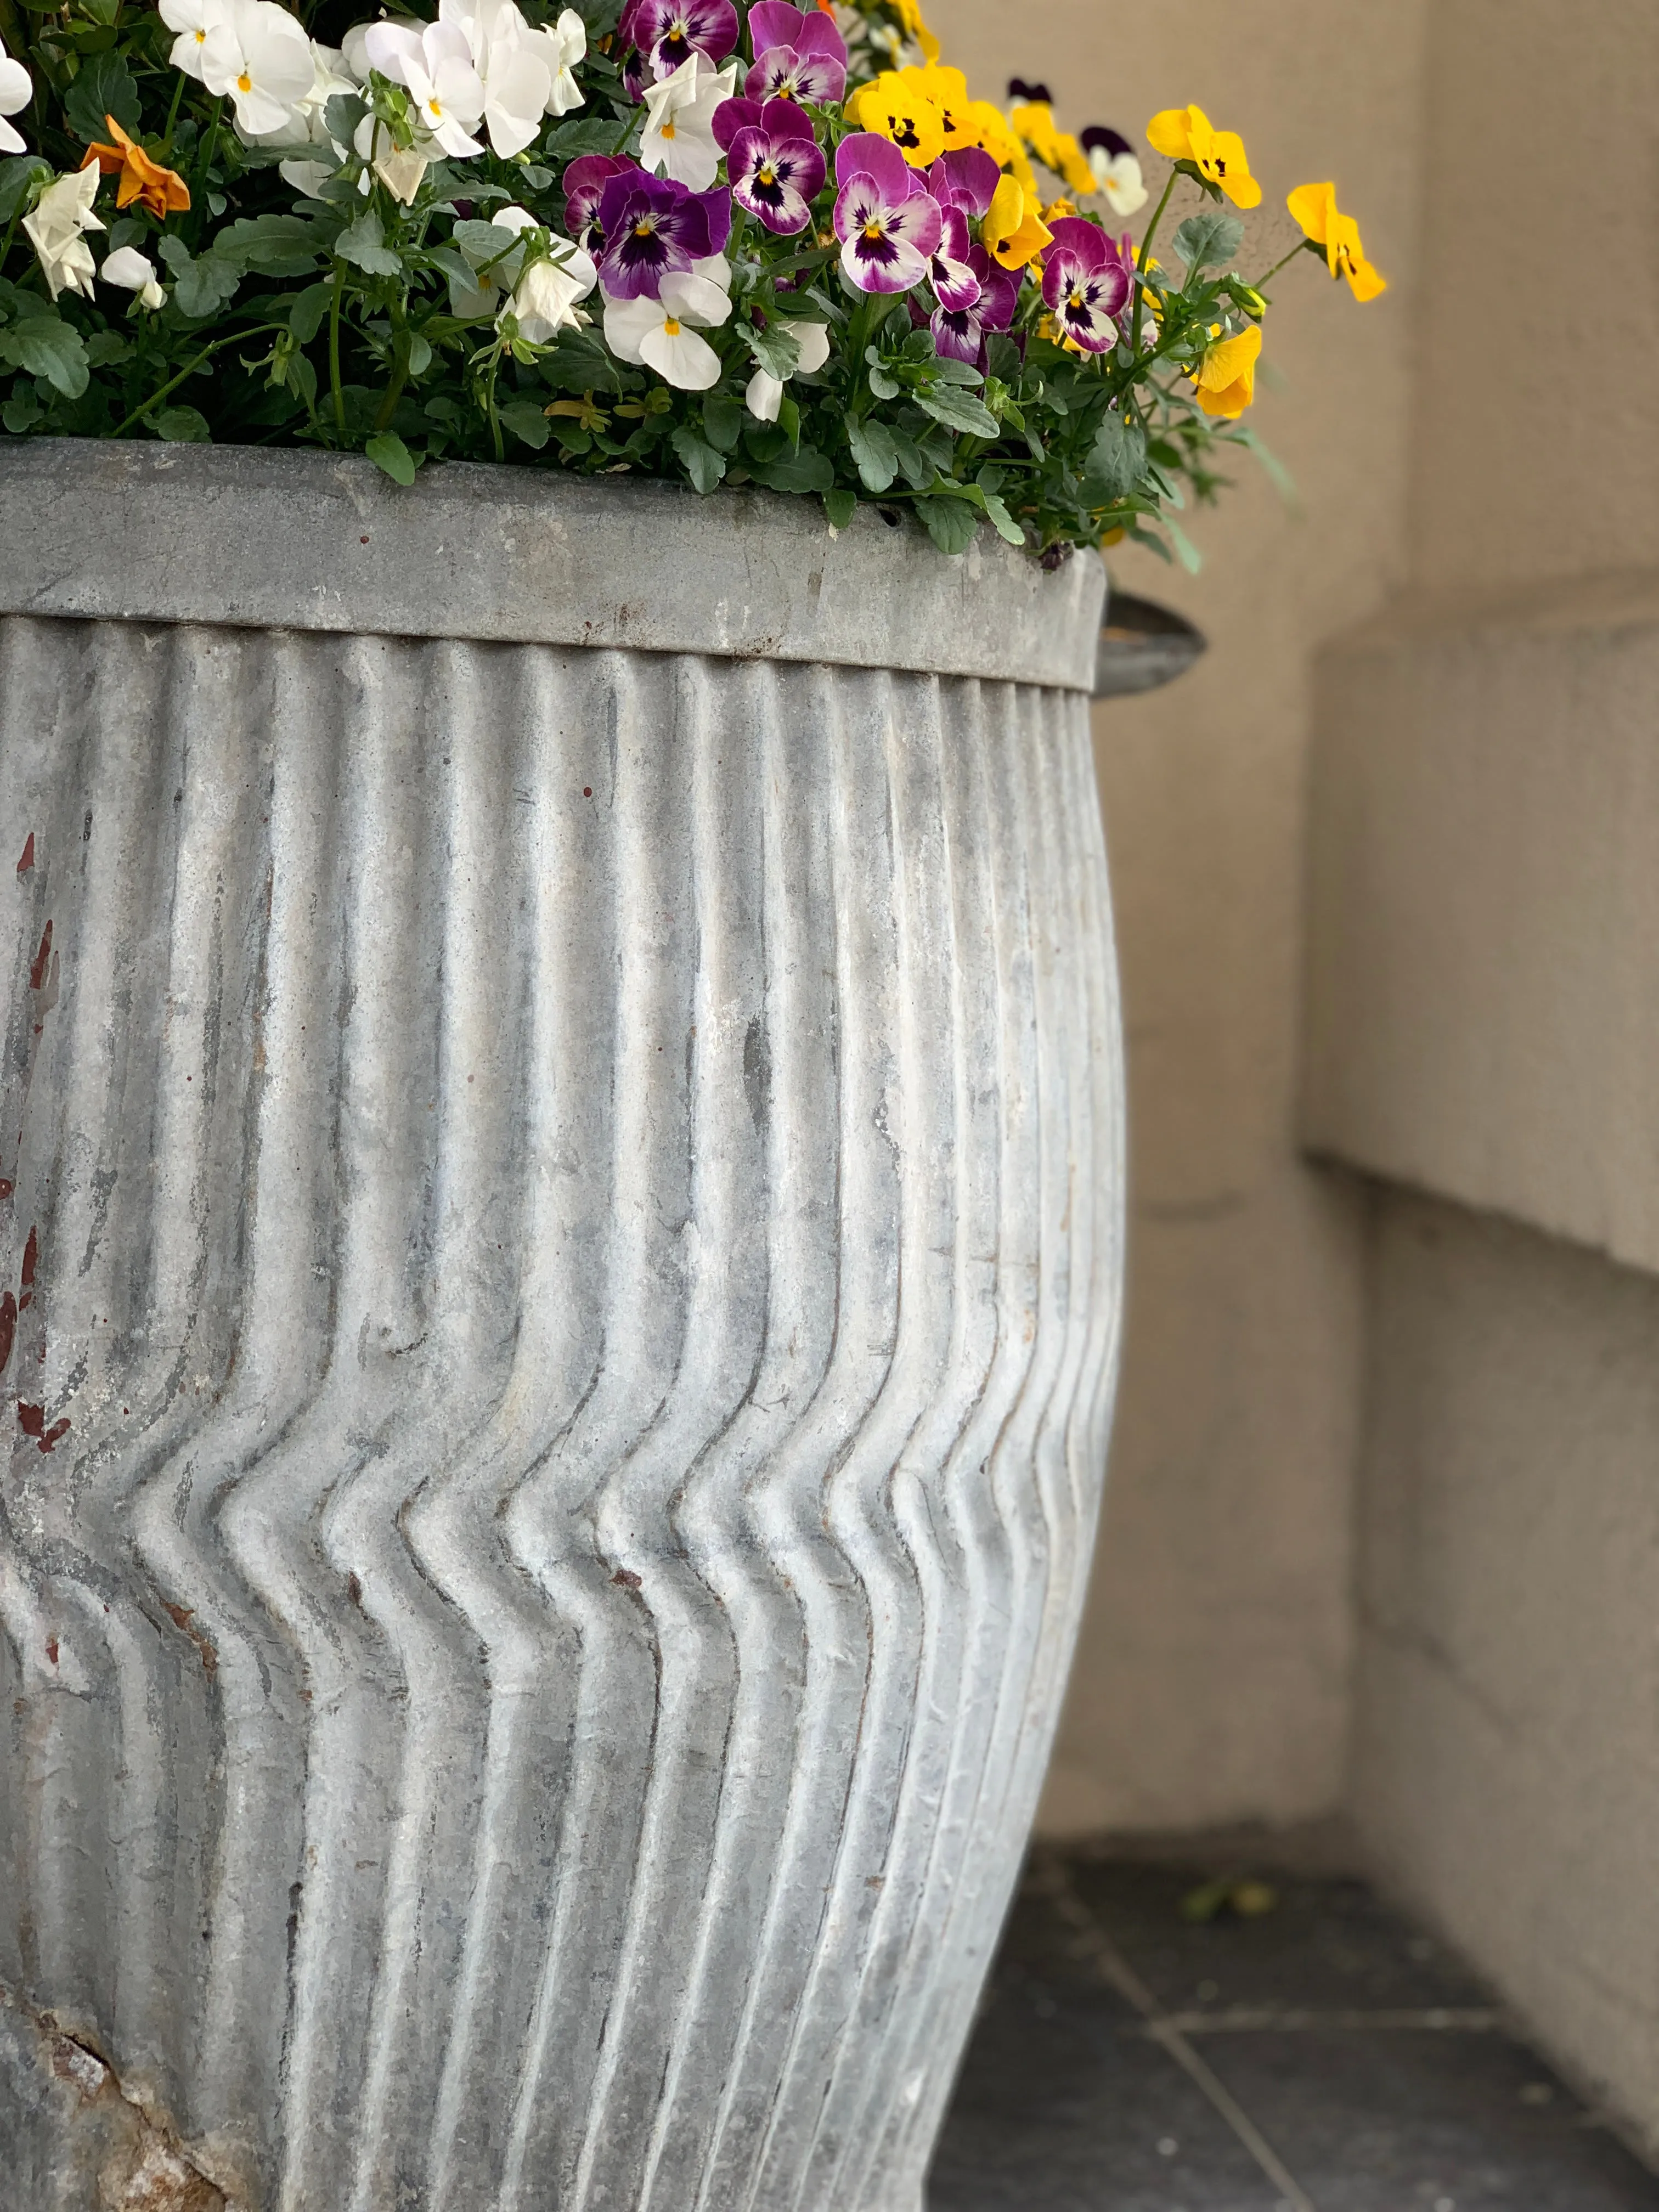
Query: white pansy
x=764, y=395
x=258, y=57
x=662, y=333
x=62, y=214
x=1118, y=176
x=353, y=51
x=192, y=19
x=511, y=66
x=565, y=43
x=434, y=63
x=306, y=125
x=546, y=299
x=678, y=140
x=132, y=271
x=400, y=168
x=17, y=90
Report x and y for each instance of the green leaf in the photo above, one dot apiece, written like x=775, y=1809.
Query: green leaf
x=1001, y=520
x=703, y=465
x=484, y=243
x=918, y=467
x=202, y=285
x=1185, y=552
x=806, y=471
x=1116, y=463
x=840, y=507
x=526, y=422
x=21, y=411
x=958, y=410
x=181, y=426
x=947, y=369
x=275, y=244
x=579, y=362
x=363, y=245
x=47, y=346
x=722, y=420
x=17, y=175
x=103, y=87
x=881, y=385
x=584, y=133
x=306, y=317
x=1209, y=240
x=776, y=349
x=105, y=347
x=952, y=524
x=875, y=454
x=344, y=112
x=388, y=452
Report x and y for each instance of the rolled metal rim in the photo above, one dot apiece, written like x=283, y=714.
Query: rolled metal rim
x=1143, y=645
x=257, y=537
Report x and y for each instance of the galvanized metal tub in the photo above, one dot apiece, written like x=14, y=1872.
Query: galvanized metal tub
x=561, y=1181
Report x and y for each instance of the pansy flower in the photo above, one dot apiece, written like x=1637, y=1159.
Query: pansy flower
x=895, y=111
x=652, y=229
x=966, y=178
x=585, y=181
x=959, y=333
x=1324, y=223
x=670, y=30
x=678, y=139
x=776, y=167
x=1226, y=376
x=662, y=332
x=731, y=117
x=799, y=55
x=954, y=282
x=887, y=221
x=1116, y=169
x=1014, y=229
x=1187, y=134
x=946, y=90
x=763, y=396
x=1084, y=284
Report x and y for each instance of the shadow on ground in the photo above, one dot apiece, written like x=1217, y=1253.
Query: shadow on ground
x=1146, y=2047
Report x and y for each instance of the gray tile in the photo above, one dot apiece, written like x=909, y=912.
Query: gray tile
x=1388, y=2121
x=1329, y=1944
x=1065, y=2107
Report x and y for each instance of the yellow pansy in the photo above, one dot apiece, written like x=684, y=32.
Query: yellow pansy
x=946, y=89
x=994, y=134
x=891, y=109
x=1014, y=229
x=1034, y=122
x=1226, y=375
x=1315, y=208
x=1186, y=134
x=910, y=16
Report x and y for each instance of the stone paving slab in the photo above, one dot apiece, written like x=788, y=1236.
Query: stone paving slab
x=1321, y=2057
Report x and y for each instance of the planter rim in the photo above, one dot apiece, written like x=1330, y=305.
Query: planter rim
x=252, y=537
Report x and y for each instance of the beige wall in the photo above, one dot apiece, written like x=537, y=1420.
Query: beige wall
x=1213, y=1677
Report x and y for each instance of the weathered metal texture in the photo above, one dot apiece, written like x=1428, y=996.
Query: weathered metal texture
x=564, y=1209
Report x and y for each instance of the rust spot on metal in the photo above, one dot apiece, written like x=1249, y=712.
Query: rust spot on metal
x=32, y=1419
x=629, y=1581
x=181, y=1616
x=8, y=1327
x=353, y=1589
x=71, y=2061
x=52, y=1650
x=41, y=961
x=31, y=1261
x=55, y=1434
x=27, y=860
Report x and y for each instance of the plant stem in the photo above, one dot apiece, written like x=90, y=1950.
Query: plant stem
x=1301, y=246
x=235, y=337
x=1144, y=258
x=172, y=116
x=394, y=390
x=334, y=384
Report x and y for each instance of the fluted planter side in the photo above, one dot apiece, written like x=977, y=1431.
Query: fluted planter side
x=564, y=1207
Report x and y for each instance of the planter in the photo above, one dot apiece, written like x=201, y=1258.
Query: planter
x=567, y=1230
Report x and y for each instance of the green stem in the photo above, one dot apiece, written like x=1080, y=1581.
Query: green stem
x=1301, y=246
x=1143, y=259
x=334, y=384
x=489, y=405
x=394, y=390
x=172, y=116
x=235, y=337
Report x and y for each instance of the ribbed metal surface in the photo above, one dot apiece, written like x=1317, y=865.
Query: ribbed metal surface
x=573, y=1208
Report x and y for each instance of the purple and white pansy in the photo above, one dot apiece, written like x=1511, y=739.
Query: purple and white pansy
x=949, y=271
x=655, y=228
x=669, y=31
x=960, y=332
x=800, y=54
x=585, y=181
x=776, y=166
x=1084, y=284
x=888, y=222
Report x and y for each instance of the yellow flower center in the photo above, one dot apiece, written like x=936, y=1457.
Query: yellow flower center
x=765, y=175
x=642, y=229
x=668, y=130
x=873, y=230
x=671, y=329
x=201, y=37
x=245, y=82
x=436, y=110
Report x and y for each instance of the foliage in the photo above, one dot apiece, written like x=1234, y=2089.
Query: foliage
x=224, y=221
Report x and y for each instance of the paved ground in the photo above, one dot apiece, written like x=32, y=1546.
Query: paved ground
x=1318, y=2056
